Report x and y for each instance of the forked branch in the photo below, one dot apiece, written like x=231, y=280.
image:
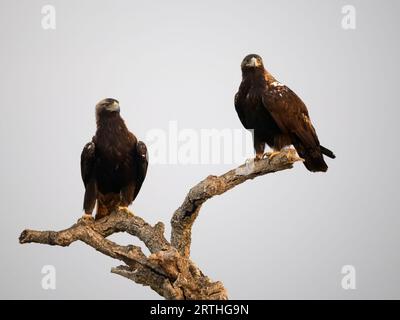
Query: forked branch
x=168, y=270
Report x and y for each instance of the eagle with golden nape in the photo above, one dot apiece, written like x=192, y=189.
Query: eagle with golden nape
x=113, y=165
x=276, y=116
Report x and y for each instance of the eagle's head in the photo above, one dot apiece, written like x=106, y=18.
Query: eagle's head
x=252, y=61
x=107, y=106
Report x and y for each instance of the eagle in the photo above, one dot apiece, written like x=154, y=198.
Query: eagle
x=113, y=165
x=276, y=116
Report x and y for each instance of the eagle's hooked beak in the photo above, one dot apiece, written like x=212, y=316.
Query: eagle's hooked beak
x=113, y=107
x=253, y=62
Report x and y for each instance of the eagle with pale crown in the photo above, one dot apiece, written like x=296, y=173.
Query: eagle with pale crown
x=113, y=165
x=276, y=116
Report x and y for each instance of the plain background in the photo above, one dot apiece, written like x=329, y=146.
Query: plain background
x=285, y=235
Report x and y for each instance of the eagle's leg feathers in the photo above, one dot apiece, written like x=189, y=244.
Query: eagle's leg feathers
x=259, y=147
x=259, y=156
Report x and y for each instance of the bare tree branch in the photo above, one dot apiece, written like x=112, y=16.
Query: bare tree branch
x=168, y=270
x=187, y=213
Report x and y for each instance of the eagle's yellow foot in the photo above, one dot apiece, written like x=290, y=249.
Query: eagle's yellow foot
x=86, y=218
x=125, y=210
x=271, y=155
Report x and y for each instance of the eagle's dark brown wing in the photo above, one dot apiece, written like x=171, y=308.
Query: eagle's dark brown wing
x=142, y=162
x=240, y=111
x=88, y=158
x=291, y=115
x=88, y=172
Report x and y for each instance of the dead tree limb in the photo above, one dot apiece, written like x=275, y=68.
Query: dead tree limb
x=168, y=270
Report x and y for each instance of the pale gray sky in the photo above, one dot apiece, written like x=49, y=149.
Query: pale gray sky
x=285, y=235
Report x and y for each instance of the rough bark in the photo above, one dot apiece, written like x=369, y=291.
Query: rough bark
x=168, y=270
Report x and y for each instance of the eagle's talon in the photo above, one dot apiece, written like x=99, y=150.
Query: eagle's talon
x=270, y=155
x=86, y=218
x=125, y=210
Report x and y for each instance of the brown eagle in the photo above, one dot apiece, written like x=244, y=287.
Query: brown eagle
x=113, y=165
x=277, y=116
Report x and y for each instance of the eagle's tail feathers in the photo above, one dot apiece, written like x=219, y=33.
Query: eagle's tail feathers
x=313, y=158
x=315, y=164
x=327, y=152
